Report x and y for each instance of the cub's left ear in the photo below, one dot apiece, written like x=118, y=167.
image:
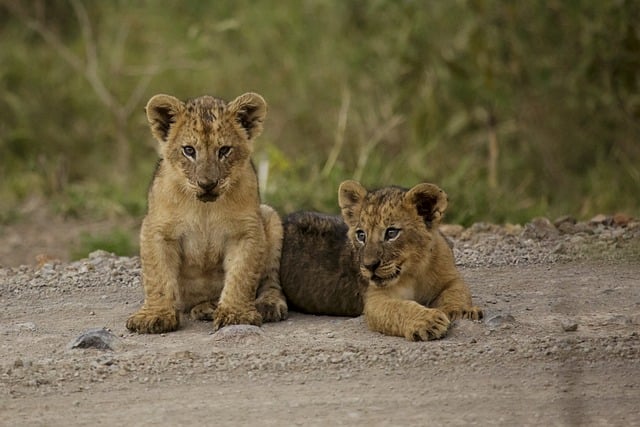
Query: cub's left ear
x=249, y=110
x=429, y=200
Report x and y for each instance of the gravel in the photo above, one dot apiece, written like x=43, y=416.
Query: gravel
x=562, y=322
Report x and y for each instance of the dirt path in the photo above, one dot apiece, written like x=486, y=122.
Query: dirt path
x=524, y=365
x=560, y=345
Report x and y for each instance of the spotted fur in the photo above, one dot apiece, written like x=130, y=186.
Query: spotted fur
x=385, y=258
x=207, y=246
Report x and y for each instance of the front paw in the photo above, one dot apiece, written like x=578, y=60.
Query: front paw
x=150, y=321
x=272, y=309
x=225, y=316
x=469, y=313
x=429, y=324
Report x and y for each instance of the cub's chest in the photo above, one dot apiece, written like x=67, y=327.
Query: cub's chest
x=203, y=245
x=203, y=242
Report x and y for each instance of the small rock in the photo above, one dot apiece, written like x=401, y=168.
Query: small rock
x=566, y=219
x=621, y=220
x=99, y=338
x=105, y=360
x=601, y=219
x=499, y=320
x=569, y=326
x=540, y=228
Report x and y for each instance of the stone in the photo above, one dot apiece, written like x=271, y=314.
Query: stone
x=569, y=326
x=99, y=338
x=540, y=229
x=499, y=320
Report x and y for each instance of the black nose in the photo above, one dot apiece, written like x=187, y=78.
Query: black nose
x=372, y=266
x=207, y=185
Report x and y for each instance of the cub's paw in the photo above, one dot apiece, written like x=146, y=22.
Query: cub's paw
x=272, y=309
x=469, y=313
x=429, y=324
x=225, y=316
x=203, y=311
x=147, y=321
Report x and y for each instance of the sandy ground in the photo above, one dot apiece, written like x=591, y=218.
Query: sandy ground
x=560, y=345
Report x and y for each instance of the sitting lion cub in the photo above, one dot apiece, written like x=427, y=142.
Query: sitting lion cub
x=207, y=246
x=387, y=259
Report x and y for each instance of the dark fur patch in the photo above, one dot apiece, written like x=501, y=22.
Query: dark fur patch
x=318, y=270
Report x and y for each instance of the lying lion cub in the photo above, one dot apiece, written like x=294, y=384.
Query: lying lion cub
x=387, y=259
x=207, y=246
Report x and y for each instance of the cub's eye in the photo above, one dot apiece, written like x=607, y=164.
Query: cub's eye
x=361, y=236
x=189, y=151
x=391, y=233
x=224, y=151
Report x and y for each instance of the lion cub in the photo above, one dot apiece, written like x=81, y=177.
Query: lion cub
x=207, y=246
x=386, y=259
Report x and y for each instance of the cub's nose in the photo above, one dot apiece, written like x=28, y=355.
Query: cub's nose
x=207, y=186
x=372, y=266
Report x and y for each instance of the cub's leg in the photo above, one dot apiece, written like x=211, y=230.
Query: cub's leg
x=270, y=301
x=243, y=265
x=160, y=264
x=403, y=318
x=455, y=301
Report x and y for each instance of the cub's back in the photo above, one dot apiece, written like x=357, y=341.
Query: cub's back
x=318, y=270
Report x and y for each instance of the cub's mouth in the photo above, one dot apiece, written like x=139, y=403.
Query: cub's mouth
x=387, y=280
x=208, y=196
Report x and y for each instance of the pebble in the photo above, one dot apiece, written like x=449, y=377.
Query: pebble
x=540, y=228
x=499, y=320
x=99, y=338
x=569, y=326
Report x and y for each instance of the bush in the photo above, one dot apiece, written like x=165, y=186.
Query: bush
x=515, y=109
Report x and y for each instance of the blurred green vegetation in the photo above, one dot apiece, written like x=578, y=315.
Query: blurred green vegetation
x=118, y=241
x=517, y=109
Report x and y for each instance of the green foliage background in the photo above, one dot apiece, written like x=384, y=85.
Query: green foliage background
x=517, y=109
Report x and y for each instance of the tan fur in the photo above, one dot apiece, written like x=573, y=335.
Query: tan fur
x=414, y=288
x=207, y=246
x=389, y=261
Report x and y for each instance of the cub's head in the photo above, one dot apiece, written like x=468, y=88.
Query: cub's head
x=392, y=229
x=207, y=141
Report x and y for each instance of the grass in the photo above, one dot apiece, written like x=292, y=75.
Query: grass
x=118, y=241
x=383, y=91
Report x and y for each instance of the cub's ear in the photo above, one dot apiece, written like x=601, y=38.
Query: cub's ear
x=350, y=196
x=429, y=201
x=161, y=114
x=249, y=110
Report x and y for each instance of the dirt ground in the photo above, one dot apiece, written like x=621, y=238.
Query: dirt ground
x=560, y=345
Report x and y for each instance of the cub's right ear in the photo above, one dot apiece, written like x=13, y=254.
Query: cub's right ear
x=161, y=114
x=350, y=196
